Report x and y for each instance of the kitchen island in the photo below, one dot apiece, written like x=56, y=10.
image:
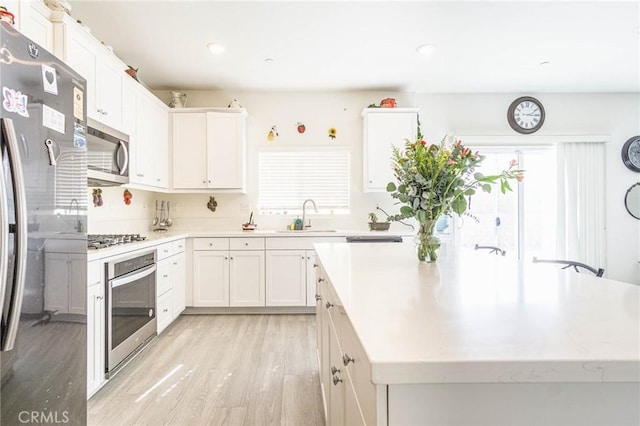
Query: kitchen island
x=474, y=339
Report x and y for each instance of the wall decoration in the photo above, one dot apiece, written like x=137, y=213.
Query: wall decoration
x=97, y=197
x=333, y=132
x=301, y=127
x=127, y=196
x=272, y=133
x=212, y=204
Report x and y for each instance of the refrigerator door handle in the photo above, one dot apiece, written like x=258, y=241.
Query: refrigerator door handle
x=4, y=234
x=125, y=151
x=20, y=201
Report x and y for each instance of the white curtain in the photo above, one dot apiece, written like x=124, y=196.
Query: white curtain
x=581, y=229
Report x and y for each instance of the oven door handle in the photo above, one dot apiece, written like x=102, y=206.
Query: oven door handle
x=129, y=278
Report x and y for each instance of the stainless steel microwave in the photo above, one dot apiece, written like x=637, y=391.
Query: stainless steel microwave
x=107, y=155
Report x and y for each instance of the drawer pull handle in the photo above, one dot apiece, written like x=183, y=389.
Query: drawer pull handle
x=165, y=276
x=210, y=244
x=302, y=257
x=315, y=265
x=336, y=380
x=346, y=359
x=99, y=297
x=329, y=305
x=246, y=244
x=225, y=258
x=165, y=310
x=334, y=370
x=175, y=263
x=318, y=297
x=320, y=280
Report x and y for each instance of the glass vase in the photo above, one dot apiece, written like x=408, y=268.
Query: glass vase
x=428, y=244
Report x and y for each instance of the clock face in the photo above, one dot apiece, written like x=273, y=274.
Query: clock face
x=526, y=115
x=631, y=154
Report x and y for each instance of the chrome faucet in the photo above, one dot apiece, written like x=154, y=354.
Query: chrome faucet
x=304, y=212
x=78, y=226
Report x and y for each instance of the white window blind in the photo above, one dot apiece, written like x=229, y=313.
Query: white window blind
x=287, y=178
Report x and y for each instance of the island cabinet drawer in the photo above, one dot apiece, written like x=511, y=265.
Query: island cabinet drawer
x=355, y=360
x=164, y=250
x=246, y=244
x=211, y=243
x=178, y=246
x=299, y=242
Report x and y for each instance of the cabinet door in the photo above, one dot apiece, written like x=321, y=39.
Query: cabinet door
x=95, y=338
x=189, y=150
x=225, y=150
x=83, y=58
x=178, y=274
x=77, y=284
x=145, y=154
x=160, y=150
x=164, y=311
x=109, y=97
x=286, y=278
x=311, y=277
x=337, y=380
x=210, y=278
x=56, y=282
x=246, y=278
x=382, y=131
x=35, y=25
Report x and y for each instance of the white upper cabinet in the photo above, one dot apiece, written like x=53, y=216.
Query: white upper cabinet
x=32, y=20
x=382, y=129
x=102, y=69
x=209, y=149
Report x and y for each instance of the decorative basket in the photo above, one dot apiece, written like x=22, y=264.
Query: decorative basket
x=379, y=226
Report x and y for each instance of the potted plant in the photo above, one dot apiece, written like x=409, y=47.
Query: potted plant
x=374, y=225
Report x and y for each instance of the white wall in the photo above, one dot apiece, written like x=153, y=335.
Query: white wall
x=615, y=115
x=115, y=217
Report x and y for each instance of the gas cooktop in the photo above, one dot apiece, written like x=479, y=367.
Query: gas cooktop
x=98, y=241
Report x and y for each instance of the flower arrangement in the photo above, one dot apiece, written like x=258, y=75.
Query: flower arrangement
x=437, y=179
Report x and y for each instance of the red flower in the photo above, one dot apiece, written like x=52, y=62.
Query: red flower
x=450, y=162
x=476, y=155
x=423, y=142
x=465, y=152
x=520, y=177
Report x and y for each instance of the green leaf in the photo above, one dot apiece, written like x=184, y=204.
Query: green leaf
x=507, y=186
x=421, y=215
x=406, y=211
x=478, y=176
x=391, y=187
x=470, y=191
x=487, y=188
x=402, y=189
x=459, y=205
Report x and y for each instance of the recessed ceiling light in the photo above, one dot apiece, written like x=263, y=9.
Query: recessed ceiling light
x=426, y=49
x=216, y=48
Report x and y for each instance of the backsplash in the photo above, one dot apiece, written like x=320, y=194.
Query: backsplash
x=115, y=217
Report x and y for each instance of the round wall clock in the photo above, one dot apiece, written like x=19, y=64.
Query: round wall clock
x=525, y=115
x=631, y=154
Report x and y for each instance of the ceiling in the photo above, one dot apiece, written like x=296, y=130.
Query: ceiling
x=480, y=47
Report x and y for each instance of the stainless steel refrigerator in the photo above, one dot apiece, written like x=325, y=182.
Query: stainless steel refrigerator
x=43, y=205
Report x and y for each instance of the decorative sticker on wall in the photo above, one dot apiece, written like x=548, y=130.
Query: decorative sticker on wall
x=127, y=196
x=300, y=127
x=333, y=132
x=212, y=204
x=273, y=133
x=97, y=197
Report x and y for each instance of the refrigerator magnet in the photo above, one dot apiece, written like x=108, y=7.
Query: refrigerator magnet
x=79, y=136
x=49, y=79
x=14, y=101
x=52, y=119
x=78, y=103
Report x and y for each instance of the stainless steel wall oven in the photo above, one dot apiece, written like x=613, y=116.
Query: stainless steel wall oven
x=131, y=307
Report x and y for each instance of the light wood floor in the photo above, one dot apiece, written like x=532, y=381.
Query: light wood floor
x=219, y=370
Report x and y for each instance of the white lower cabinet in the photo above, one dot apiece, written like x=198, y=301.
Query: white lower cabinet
x=95, y=327
x=228, y=272
x=286, y=278
x=65, y=290
x=170, y=282
x=345, y=372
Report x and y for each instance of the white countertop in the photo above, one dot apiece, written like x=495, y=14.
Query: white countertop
x=473, y=317
x=155, y=238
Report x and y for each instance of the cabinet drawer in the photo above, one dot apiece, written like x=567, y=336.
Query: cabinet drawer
x=163, y=251
x=299, y=242
x=359, y=370
x=94, y=273
x=163, y=276
x=211, y=243
x=164, y=313
x=178, y=246
x=246, y=244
